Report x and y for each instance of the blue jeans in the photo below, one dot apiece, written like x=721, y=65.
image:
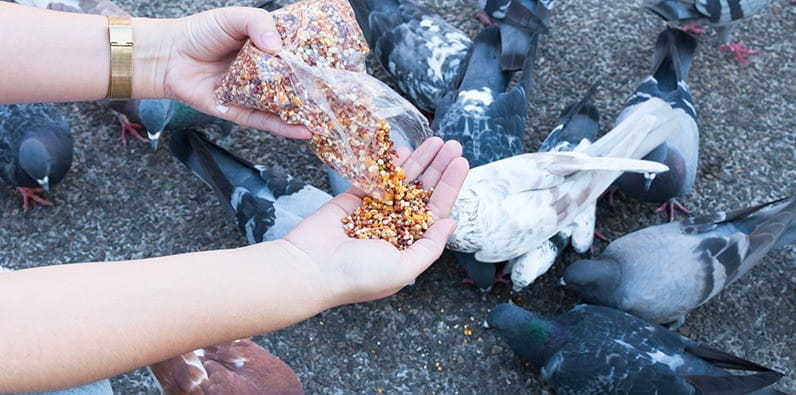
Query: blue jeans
x=102, y=387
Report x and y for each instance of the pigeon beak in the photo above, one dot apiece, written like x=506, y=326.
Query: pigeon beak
x=154, y=138
x=486, y=325
x=44, y=183
x=562, y=282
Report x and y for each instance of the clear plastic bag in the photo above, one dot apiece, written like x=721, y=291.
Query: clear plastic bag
x=318, y=79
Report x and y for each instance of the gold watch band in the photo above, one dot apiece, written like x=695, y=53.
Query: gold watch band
x=120, y=32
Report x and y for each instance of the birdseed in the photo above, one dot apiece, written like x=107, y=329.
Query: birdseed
x=318, y=80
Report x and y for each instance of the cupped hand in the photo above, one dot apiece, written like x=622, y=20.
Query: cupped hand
x=203, y=46
x=360, y=270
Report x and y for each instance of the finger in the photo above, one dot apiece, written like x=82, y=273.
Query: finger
x=422, y=157
x=448, y=187
x=261, y=120
x=345, y=202
x=255, y=23
x=450, y=151
x=403, y=154
x=425, y=251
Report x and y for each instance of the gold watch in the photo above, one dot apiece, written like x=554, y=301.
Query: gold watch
x=120, y=32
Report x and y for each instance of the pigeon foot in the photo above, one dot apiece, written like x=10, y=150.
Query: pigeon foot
x=30, y=195
x=739, y=50
x=609, y=194
x=670, y=208
x=130, y=128
x=693, y=28
x=504, y=278
x=483, y=18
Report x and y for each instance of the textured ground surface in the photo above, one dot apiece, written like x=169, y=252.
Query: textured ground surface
x=129, y=202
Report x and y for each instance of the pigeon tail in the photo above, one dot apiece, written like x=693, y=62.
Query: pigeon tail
x=481, y=67
x=674, y=51
x=674, y=10
x=638, y=134
x=572, y=136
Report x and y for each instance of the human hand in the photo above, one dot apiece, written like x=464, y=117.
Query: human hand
x=355, y=270
x=200, y=47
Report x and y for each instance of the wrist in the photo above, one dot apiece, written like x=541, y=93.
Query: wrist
x=154, y=40
x=311, y=285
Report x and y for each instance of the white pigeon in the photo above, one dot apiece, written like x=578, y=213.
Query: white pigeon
x=508, y=208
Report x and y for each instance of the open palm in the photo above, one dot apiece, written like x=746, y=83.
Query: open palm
x=372, y=269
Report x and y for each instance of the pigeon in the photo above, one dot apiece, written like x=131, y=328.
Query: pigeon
x=420, y=51
x=36, y=149
x=509, y=207
x=482, y=112
x=488, y=118
x=724, y=15
x=577, y=128
x=157, y=115
x=518, y=21
x=238, y=367
x=662, y=272
x=600, y=350
x=265, y=202
x=668, y=81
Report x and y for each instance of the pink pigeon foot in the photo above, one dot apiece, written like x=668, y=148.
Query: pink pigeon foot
x=32, y=194
x=609, y=194
x=693, y=28
x=483, y=18
x=599, y=236
x=670, y=207
x=739, y=50
x=504, y=278
x=131, y=128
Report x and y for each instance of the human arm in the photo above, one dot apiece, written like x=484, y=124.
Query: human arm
x=59, y=56
x=72, y=324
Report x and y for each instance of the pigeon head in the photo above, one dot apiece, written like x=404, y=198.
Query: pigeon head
x=155, y=114
x=530, y=335
x=43, y=162
x=595, y=281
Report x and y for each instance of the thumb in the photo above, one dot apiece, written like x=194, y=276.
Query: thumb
x=426, y=250
x=254, y=23
x=263, y=31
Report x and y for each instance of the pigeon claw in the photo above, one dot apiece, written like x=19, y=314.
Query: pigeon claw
x=483, y=18
x=30, y=195
x=693, y=28
x=739, y=50
x=610, y=194
x=670, y=208
x=600, y=236
x=130, y=128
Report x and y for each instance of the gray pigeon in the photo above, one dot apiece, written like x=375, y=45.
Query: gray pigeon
x=724, y=15
x=668, y=81
x=421, y=51
x=265, y=202
x=36, y=149
x=518, y=21
x=159, y=115
x=600, y=350
x=509, y=207
x=482, y=112
x=577, y=128
x=662, y=272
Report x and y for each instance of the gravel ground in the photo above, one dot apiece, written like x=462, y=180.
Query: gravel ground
x=129, y=202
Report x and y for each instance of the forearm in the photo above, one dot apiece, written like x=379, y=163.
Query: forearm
x=68, y=57
x=71, y=324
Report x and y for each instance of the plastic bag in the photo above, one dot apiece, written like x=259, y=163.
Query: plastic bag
x=318, y=79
